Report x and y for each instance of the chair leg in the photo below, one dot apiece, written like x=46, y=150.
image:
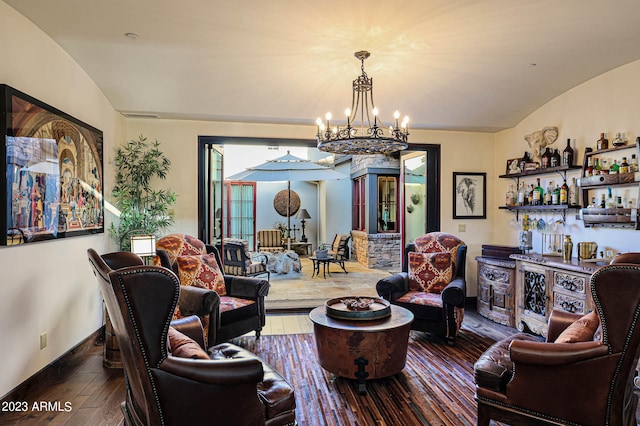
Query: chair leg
x=483, y=415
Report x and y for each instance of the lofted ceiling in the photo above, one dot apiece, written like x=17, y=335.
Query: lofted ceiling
x=479, y=65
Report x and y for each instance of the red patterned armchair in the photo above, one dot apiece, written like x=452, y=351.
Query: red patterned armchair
x=241, y=308
x=432, y=284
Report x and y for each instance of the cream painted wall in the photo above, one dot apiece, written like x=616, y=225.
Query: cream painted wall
x=607, y=103
x=48, y=287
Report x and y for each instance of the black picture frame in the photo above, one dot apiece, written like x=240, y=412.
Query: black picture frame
x=469, y=195
x=53, y=172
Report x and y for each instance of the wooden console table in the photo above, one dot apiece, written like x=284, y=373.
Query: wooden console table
x=544, y=283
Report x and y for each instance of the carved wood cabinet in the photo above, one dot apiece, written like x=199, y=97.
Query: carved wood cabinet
x=496, y=279
x=544, y=283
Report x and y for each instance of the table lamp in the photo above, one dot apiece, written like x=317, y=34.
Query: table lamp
x=143, y=245
x=303, y=215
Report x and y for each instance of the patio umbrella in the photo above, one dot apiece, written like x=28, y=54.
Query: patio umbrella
x=287, y=168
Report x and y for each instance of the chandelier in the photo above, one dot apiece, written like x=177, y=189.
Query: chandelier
x=362, y=137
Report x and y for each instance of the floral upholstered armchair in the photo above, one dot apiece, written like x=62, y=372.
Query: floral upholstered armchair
x=432, y=284
x=241, y=308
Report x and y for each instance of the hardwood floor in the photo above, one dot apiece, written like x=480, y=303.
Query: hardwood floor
x=83, y=392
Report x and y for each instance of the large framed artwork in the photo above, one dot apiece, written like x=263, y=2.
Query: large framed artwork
x=52, y=172
x=469, y=195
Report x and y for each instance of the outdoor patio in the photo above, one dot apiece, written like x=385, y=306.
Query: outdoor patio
x=301, y=291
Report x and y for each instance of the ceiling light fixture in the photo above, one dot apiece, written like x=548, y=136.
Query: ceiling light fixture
x=362, y=137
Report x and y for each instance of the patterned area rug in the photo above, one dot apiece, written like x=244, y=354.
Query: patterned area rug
x=301, y=291
x=435, y=388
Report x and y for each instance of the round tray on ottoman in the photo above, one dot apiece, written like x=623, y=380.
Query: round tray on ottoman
x=366, y=308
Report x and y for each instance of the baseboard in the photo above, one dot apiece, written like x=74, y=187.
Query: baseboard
x=53, y=369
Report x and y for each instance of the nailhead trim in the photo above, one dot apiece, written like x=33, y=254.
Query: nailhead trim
x=137, y=331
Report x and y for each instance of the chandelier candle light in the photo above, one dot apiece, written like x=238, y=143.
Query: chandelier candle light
x=364, y=137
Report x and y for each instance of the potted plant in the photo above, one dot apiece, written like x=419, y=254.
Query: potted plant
x=322, y=252
x=143, y=209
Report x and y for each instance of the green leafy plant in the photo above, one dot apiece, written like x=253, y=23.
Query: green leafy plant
x=143, y=210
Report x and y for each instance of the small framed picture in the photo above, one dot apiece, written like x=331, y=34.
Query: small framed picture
x=469, y=195
x=513, y=166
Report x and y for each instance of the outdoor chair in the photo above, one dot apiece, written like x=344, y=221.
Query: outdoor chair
x=171, y=377
x=582, y=374
x=242, y=307
x=237, y=259
x=432, y=284
x=340, y=250
x=270, y=240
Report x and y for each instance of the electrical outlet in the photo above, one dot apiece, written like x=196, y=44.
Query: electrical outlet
x=43, y=340
x=462, y=228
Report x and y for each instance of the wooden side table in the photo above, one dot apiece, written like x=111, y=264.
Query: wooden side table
x=362, y=350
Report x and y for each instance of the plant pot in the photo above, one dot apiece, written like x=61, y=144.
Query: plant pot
x=322, y=254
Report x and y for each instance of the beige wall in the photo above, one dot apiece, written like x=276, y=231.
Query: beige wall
x=48, y=287
x=607, y=103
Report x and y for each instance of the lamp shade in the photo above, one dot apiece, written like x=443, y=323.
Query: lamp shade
x=302, y=214
x=143, y=245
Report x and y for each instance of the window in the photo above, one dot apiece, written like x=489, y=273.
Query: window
x=387, y=211
x=359, y=204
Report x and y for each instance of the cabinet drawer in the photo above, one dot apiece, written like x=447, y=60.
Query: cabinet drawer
x=570, y=282
x=495, y=274
x=568, y=302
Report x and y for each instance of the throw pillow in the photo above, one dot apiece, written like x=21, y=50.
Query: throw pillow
x=581, y=330
x=430, y=272
x=180, y=245
x=201, y=271
x=183, y=346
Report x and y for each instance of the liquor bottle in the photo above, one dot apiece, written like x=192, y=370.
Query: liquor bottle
x=564, y=193
x=624, y=166
x=521, y=195
x=633, y=167
x=611, y=202
x=537, y=194
x=602, y=202
x=555, y=196
x=618, y=140
x=510, y=199
x=530, y=195
x=574, y=193
x=602, y=143
x=548, y=196
x=567, y=154
x=614, y=168
x=619, y=202
x=596, y=167
x=589, y=170
x=546, y=158
x=554, y=160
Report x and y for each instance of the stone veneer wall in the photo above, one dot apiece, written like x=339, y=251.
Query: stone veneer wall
x=360, y=162
x=377, y=251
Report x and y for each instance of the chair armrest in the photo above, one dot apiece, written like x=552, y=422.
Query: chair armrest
x=217, y=372
x=543, y=353
x=396, y=284
x=197, y=301
x=455, y=292
x=191, y=327
x=558, y=321
x=246, y=287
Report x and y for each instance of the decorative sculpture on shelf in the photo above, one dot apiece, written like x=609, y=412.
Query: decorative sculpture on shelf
x=539, y=140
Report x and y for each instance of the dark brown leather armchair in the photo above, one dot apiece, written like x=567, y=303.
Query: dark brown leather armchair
x=589, y=381
x=234, y=387
x=438, y=309
x=242, y=307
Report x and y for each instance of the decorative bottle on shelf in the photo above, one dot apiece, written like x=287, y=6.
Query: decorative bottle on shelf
x=555, y=197
x=618, y=140
x=564, y=193
x=624, y=166
x=524, y=160
x=548, y=196
x=521, y=196
x=545, y=160
x=589, y=170
x=602, y=143
x=530, y=195
x=511, y=197
x=611, y=202
x=614, y=168
x=574, y=193
x=567, y=155
x=537, y=194
x=633, y=167
x=554, y=160
x=596, y=167
x=603, y=203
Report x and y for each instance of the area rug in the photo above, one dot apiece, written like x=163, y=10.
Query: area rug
x=302, y=291
x=435, y=388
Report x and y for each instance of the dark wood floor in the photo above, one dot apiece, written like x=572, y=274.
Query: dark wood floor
x=82, y=391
